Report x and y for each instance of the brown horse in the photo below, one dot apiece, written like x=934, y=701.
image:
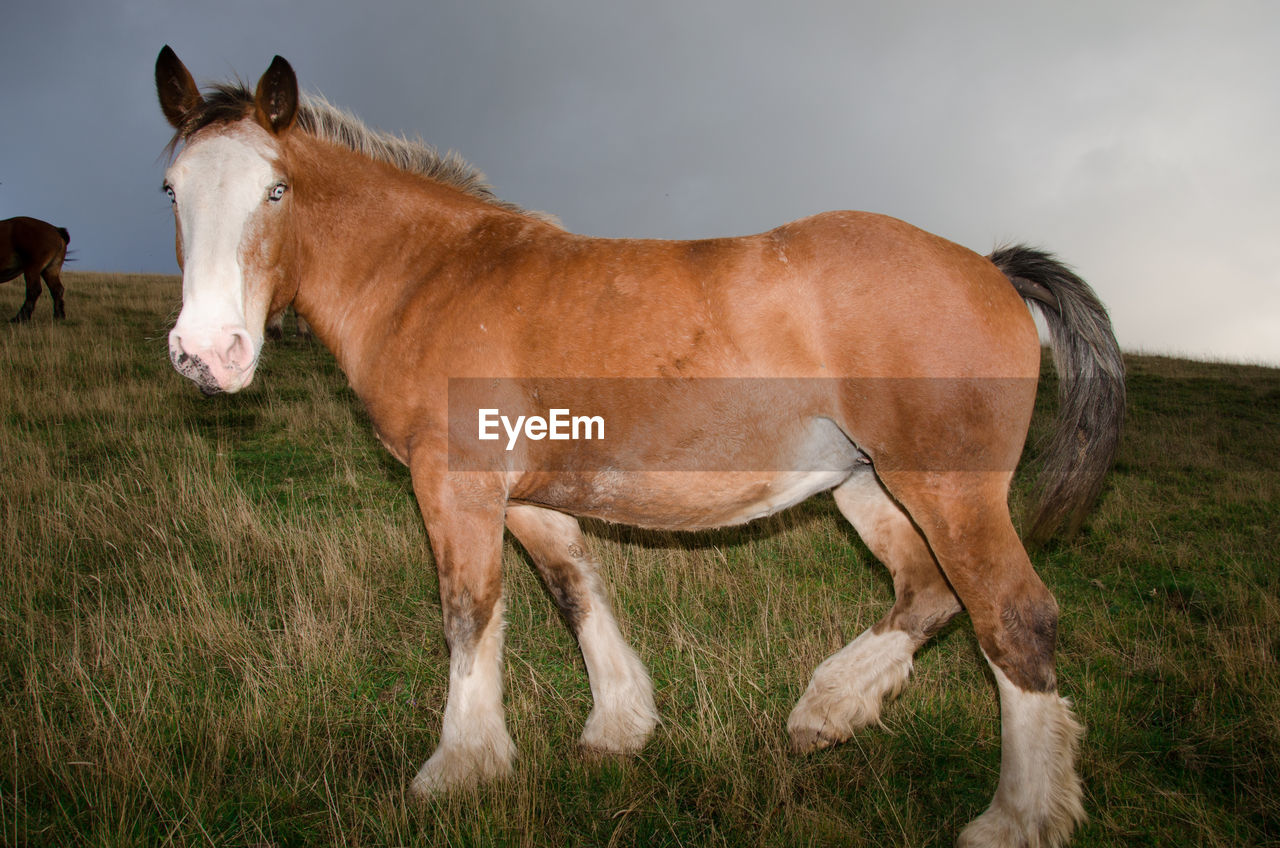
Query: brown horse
x=34, y=249
x=715, y=381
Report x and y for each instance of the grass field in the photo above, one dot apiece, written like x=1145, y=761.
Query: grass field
x=219, y=626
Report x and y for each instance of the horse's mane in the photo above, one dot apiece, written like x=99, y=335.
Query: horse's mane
x=230, y=102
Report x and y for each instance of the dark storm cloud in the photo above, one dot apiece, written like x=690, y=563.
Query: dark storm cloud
x=1134, y=139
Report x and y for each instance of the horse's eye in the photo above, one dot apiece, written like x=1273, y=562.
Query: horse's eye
x=277, y=191
x=168, y=189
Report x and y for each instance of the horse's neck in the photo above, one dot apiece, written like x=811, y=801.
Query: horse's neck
x=363, y=236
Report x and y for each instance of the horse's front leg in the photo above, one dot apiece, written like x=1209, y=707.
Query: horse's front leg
x=465, y=523
x=32, y=278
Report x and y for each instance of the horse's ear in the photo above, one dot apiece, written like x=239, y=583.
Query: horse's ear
x=179, y=95
x=277, y=96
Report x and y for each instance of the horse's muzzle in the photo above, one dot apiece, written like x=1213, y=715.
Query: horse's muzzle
x=224, y=361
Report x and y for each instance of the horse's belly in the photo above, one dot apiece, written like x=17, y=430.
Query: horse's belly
x=820, y=458
x=766, y=497
x=679, y=500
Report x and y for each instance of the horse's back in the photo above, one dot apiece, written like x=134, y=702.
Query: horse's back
x=832, y=295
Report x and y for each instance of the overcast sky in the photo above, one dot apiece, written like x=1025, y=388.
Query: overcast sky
x=1138, y=140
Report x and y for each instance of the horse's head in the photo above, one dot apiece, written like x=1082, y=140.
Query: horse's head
x=230, y=198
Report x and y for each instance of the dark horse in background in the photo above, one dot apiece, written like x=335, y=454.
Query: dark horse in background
x=34, y=249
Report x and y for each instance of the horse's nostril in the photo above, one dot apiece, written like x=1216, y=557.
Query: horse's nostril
x=239, y=350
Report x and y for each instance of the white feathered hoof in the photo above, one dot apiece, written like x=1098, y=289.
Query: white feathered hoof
x=1039, y=800
x=460, y=767
x=849, y=688
x=621, y=728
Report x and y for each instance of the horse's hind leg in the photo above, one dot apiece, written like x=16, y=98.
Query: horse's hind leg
x=848, y=688
x=623, y=713
x=965, y=517
x=53, y=279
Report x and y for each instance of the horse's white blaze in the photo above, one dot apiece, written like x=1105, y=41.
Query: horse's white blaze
x=221, y=183
x=1038, y=799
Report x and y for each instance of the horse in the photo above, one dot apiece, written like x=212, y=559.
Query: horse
x=730, y=378
x=275, y=326
x=34, y=249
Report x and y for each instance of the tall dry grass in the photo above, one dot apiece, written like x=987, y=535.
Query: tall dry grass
x=219, y=626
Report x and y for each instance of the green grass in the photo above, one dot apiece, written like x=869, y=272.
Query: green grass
x=219, y=626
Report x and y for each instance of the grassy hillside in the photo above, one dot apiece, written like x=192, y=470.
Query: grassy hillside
x=219, y=626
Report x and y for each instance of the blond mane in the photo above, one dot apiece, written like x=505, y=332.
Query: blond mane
x=229, y=102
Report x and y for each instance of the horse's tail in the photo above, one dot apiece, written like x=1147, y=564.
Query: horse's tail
x=66, y=236
x=1091, y=390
